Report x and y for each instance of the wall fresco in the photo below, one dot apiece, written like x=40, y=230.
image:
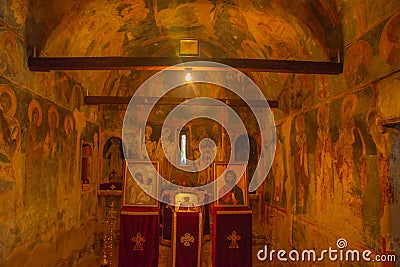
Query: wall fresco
x=358, y=17
x=11, y=56
x=42, y=138
x=113, y=160
x=390, y=42
x=358, y=62
x=335, y=167
x=324, y=158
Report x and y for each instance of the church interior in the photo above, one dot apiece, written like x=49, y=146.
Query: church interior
x=319, y=166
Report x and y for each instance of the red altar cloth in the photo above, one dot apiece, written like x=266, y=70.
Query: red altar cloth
x=138, y=243
x=232, y=238
x=166, y=224
x=186, y=239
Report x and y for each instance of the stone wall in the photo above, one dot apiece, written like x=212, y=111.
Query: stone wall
x=335, y=173
x=47, y=218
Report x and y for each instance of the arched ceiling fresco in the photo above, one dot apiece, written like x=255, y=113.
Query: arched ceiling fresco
x=272, y=29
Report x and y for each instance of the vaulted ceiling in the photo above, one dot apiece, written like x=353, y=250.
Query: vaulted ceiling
x=272, y=29
x=275, y=29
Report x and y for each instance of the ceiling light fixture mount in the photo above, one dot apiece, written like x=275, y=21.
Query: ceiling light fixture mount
x=188, y=75
x=189, y=47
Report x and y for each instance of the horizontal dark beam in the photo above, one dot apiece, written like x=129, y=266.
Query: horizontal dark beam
x=174, y=101
x=159, y=63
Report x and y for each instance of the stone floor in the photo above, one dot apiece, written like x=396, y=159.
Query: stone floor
x=165, y=257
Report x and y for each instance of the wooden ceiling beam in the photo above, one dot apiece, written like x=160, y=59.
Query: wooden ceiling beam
x=160, y=63
x=174, y=101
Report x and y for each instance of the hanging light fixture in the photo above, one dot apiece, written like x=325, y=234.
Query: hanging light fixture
x=188, y=75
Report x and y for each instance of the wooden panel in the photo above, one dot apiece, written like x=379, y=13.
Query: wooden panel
x=99, y=100
x=159, y=63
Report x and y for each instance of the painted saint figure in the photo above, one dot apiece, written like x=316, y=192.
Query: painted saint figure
x=381, y=137
x=165, y=143
x=51, y=139
x=390, y=42
x=278, y=168
x=68, y=151
x=350, y=163
x=301, y=163
x=344, y=146
x=136, y=193
x=114, y=157
x=149, y=149
x=7, y=54
x=324, y=157
x=10, y=132
x=33, y=148
x=230, y=193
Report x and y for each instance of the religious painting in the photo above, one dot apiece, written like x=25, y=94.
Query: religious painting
x=203, y=150
x=10, y=127
x=324, y=86
x=198, y=132
x=351, y=144
x=151, y=137
x=8, y=48
x=160, y=146
x=141, y=184
x=249, y=152
x=358, y=62
x=390, y=42
x=301, y=163
x=278, y=169
x=324, y=158
x=113, y=160
x=33, y=147
x=301, y=90
x=186, y=202
x=230, y=184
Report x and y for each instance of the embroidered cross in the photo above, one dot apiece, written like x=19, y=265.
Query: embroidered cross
x=138, y=239
x=186, y=239
x=234, y=237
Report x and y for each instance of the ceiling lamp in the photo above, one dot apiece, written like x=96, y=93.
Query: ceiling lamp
x=188, y=76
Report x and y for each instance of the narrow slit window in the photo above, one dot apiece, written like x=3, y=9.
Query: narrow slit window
x=183, y=141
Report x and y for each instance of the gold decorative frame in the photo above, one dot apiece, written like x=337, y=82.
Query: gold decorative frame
x=134, y=194
x=185, y=202
x=189, y=47
x=233, y=198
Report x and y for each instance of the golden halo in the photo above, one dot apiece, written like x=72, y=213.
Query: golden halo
x=371, y=115
x=53, y=109
x=32, y=105
x=388, y=40
x=68, y=121
x=5, y=89
x=358, y=54
x=349, y=100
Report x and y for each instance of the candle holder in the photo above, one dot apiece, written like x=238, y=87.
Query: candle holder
x=108, y=237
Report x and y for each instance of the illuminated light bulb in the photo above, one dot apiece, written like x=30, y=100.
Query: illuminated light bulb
x=188, y=77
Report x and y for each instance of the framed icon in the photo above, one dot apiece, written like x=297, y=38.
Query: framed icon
x=231, y=187
x=189, y=47
x=186, y=202
x=139, y=183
